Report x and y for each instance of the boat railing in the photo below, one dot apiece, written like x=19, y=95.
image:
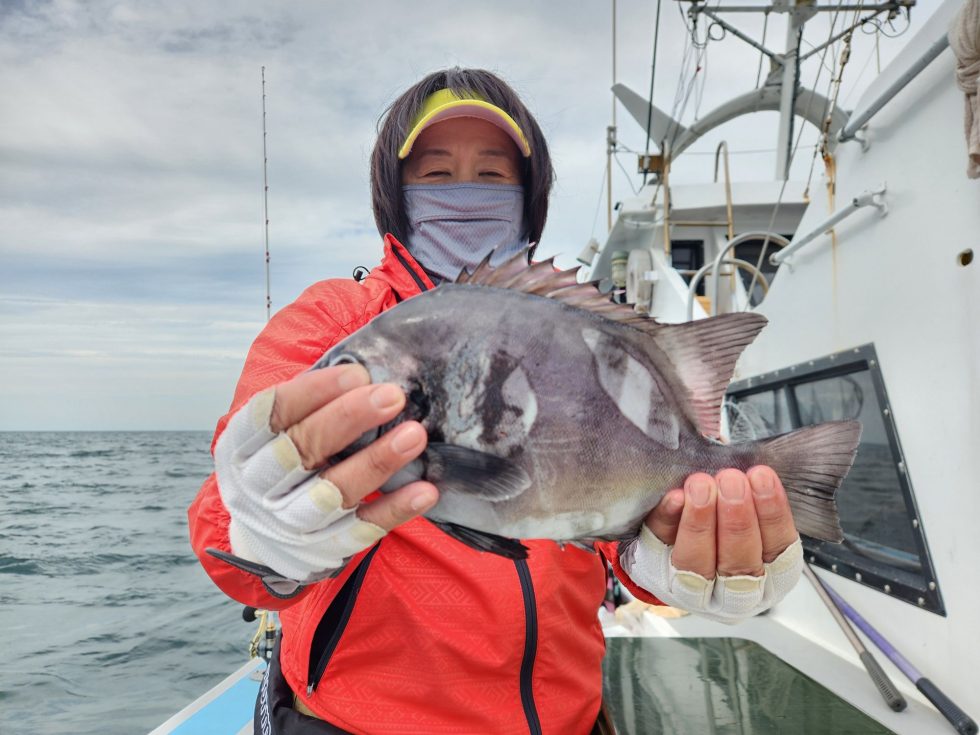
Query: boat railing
x=767, y=237
x=716, y=265
x=872, y=197
x=729, y=222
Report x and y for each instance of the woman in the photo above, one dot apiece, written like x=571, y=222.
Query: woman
x=388, y=624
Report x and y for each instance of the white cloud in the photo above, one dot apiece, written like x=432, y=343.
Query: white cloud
x=131, y=186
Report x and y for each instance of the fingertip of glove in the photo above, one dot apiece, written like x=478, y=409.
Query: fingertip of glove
x=261, y=408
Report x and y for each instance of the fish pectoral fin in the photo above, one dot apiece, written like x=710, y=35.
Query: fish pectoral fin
x=506, y=547
x=633, y=387
x=453, y=468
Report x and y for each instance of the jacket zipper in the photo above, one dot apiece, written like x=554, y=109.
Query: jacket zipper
x=331, y=627
x=415, y=277
x=530, y=646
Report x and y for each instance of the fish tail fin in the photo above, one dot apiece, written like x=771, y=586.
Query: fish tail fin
x=812, y=462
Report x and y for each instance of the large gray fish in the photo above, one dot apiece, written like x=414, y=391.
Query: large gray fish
x=555, y=413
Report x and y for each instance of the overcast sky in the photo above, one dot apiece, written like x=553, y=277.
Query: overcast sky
x=131, y=241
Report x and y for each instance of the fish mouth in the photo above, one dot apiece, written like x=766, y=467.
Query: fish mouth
x=344, y=358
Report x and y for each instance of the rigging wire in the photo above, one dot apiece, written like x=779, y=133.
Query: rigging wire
x=792, y=156
x=691, y=84
x=878, y=23
x=704, y=80
x=765, y=27
x=629, y=179
x=598, y=204
x=864, y=68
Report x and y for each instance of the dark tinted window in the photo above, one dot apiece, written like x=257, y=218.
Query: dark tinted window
x=884, y=542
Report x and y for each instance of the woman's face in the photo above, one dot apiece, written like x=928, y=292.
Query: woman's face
x=463, y=150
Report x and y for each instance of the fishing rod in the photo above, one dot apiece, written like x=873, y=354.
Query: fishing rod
x=265, y=194
x=963, y=723
x=888, y=690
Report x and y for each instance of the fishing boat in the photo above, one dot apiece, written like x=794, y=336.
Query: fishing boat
x=868, y=280
x=867, y=276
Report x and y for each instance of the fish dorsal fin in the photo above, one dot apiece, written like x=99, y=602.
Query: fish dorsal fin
x=704, y=353
x=542, y=279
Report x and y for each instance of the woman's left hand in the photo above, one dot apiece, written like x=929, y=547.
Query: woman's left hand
x=724, y=547
x=730, y=524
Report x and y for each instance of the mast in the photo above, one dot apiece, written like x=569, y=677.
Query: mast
x=782, y=92
x=801, y=11
x=611, y=130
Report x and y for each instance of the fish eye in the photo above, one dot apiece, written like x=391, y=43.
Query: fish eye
x=419, y=402
x=344, y=359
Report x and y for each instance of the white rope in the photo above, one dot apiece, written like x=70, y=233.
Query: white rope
x=964, y=38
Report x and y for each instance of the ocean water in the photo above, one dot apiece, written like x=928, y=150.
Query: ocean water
x=109, y=623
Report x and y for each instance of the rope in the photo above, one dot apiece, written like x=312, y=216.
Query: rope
x=964, y=38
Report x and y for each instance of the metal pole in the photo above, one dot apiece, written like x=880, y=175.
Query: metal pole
x=737, y=33
x=666, y=184
x=611, y=130
x=849, y=131
x=874, y=197
x=889, y=692
x=787, y=99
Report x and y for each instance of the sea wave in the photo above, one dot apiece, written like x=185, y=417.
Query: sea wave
x=110, y=618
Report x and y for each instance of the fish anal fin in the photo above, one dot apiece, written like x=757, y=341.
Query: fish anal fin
x=501, y=546
x=453, y=468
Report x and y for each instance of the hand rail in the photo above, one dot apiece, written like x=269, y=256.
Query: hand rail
x=732, y=244
x=871, y=197
x=728, y=188
x=738, y=263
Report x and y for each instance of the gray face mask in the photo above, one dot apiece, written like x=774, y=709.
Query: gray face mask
x=454, y=226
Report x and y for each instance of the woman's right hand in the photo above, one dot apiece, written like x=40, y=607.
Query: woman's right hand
x=291, y=525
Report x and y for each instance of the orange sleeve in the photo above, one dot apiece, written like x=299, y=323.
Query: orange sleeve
x=610, y=551
x=290, y=343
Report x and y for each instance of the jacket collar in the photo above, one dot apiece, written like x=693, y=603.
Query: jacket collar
x=400, y=270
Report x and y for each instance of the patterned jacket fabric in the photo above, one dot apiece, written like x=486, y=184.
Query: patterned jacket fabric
x=420, y=634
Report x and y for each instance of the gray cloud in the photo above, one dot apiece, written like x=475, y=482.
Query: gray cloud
x=131, y=239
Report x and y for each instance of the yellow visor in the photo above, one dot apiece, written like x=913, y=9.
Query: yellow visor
x=445, y=105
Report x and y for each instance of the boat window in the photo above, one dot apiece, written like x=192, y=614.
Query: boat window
x=884, y=542
x=687, y=256
x=750, y=250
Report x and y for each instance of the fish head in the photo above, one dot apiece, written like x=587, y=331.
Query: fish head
x=387, y=360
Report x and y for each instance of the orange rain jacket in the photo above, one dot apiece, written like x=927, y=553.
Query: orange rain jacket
x=420, y=633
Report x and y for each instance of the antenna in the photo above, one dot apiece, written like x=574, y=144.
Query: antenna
x=265, y=182
x=611, y=130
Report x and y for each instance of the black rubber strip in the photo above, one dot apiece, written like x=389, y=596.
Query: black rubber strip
x=415, y=276
x=530, y=646
x=331, y=626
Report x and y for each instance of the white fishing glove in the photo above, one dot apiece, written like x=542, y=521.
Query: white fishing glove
x=288, y=524
x=725, y=599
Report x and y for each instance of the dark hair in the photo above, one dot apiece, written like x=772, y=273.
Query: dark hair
x=386, y=178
